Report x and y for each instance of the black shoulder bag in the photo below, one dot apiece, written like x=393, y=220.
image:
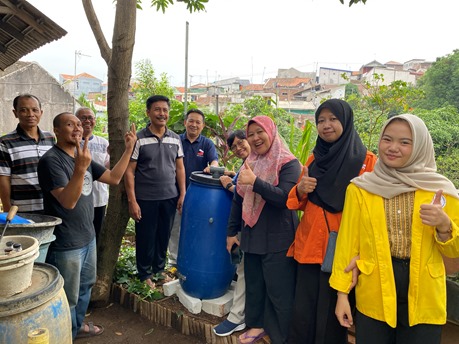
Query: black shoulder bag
x=331, y=245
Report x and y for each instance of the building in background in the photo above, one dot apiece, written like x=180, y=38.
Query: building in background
x=81, y=83
x=30, y=77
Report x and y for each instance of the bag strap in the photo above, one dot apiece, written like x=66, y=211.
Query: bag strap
x=326, y=221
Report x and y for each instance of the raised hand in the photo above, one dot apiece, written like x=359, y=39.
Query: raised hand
x=433, y=214
x=83, y=155
x=246, y=175
x=130, y=138
x=307, y=184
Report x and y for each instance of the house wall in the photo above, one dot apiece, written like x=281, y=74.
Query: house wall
x=390, y=75
x=35, y=80
x=330, y=76
x=87, y=85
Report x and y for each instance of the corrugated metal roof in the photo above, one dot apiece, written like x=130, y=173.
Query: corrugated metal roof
x=23, y=29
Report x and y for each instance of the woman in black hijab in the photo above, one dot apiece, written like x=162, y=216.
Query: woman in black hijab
x=339, y=156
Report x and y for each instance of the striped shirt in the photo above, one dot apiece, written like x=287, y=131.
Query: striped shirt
x=19, y=155
x=155, y=173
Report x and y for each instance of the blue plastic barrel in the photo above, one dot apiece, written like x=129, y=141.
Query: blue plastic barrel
x=203, y=263
x=42, y=305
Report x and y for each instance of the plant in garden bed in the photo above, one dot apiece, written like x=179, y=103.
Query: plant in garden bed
x=126, y=274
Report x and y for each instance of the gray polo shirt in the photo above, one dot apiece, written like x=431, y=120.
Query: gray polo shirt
x=155, y=174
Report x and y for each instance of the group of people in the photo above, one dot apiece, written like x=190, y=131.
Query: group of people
x=394, y=217
x=53, y=174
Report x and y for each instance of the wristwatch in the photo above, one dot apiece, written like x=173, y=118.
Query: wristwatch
x=228, y=186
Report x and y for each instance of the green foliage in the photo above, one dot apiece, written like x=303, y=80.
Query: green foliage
x=305, y=144
x=191, y=5
x=148, y=84
x=130, y=228
x=441, y=82
x=351, y=89
x=126, y=274
x=448, y=166
x=236, y=117
x=377, y=103
x=352, y=2
x=442, y=125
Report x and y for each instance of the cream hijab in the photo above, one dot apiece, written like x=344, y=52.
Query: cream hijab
x=420, y=171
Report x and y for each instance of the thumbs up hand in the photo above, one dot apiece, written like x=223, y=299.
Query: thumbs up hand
x=306, y=185
x=246, y=175
x=433, y=214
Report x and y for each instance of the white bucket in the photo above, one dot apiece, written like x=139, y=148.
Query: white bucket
x=16, y=268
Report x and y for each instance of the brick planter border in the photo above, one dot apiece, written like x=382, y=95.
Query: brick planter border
x=161, y=315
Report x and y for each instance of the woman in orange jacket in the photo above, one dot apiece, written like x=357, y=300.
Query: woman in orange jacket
x=339, y=156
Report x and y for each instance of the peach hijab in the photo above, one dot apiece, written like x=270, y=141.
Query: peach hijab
x=266, y=167
x=420, y=171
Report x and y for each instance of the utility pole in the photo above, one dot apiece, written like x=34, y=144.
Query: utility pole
x=185, y=104
x=77, y=54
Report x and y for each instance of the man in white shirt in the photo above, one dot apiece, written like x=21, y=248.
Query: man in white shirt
x=98, y=146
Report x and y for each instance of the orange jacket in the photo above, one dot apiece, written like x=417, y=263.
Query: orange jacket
x=311, y=236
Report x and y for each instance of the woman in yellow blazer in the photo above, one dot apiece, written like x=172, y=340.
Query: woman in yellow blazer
x=398, y=220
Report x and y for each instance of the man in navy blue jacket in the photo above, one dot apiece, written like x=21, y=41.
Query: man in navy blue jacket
x=199, y=153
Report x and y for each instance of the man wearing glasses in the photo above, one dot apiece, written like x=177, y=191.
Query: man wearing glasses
x=98, y=146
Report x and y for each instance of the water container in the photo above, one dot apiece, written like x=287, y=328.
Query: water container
x=203, y=263
x=41, y=228
x=42, y=305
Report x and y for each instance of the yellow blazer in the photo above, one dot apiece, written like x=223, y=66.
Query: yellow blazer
x=363, y=231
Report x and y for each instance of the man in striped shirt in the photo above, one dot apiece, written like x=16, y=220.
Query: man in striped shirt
x=156, y=166
x=20, y=151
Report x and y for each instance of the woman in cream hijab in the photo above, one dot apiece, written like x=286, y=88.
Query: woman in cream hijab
x=399, y=220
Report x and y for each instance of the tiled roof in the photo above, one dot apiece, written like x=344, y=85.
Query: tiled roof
x=85, y=75
x=286, y=82
x=253, y=87
x=23, y=29
x=66, y=76
x=392, y=63
x=81, y=75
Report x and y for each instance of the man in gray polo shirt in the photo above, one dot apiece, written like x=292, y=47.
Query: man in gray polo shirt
x=155, y=168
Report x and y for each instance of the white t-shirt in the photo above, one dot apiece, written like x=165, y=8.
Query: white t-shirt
x=98, y=147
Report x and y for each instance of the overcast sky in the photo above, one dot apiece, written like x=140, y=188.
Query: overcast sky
x=251, y=39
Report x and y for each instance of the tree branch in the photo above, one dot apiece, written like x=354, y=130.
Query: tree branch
x=105, y=50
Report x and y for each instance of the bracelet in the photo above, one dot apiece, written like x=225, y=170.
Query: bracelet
x=229, y=185
x=449, y=231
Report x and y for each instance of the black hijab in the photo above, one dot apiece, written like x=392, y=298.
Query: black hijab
x=335, y=164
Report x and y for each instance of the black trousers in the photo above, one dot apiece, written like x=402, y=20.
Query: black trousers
x=314, y=320
x=98, y=221
x=152, y=235
x=270, y=284
x=368, y=330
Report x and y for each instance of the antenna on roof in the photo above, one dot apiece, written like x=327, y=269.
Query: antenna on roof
x=78, y=53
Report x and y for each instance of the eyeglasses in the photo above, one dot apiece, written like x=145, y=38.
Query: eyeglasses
x=237, y=145
x=86, y=118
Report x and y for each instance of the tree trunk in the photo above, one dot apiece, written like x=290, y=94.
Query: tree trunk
x=119, y=62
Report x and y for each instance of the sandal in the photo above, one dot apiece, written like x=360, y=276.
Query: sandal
x=253, y=339
x=150, y=283
x=91, y=330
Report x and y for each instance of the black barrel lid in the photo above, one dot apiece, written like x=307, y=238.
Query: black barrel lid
x=204, y=178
